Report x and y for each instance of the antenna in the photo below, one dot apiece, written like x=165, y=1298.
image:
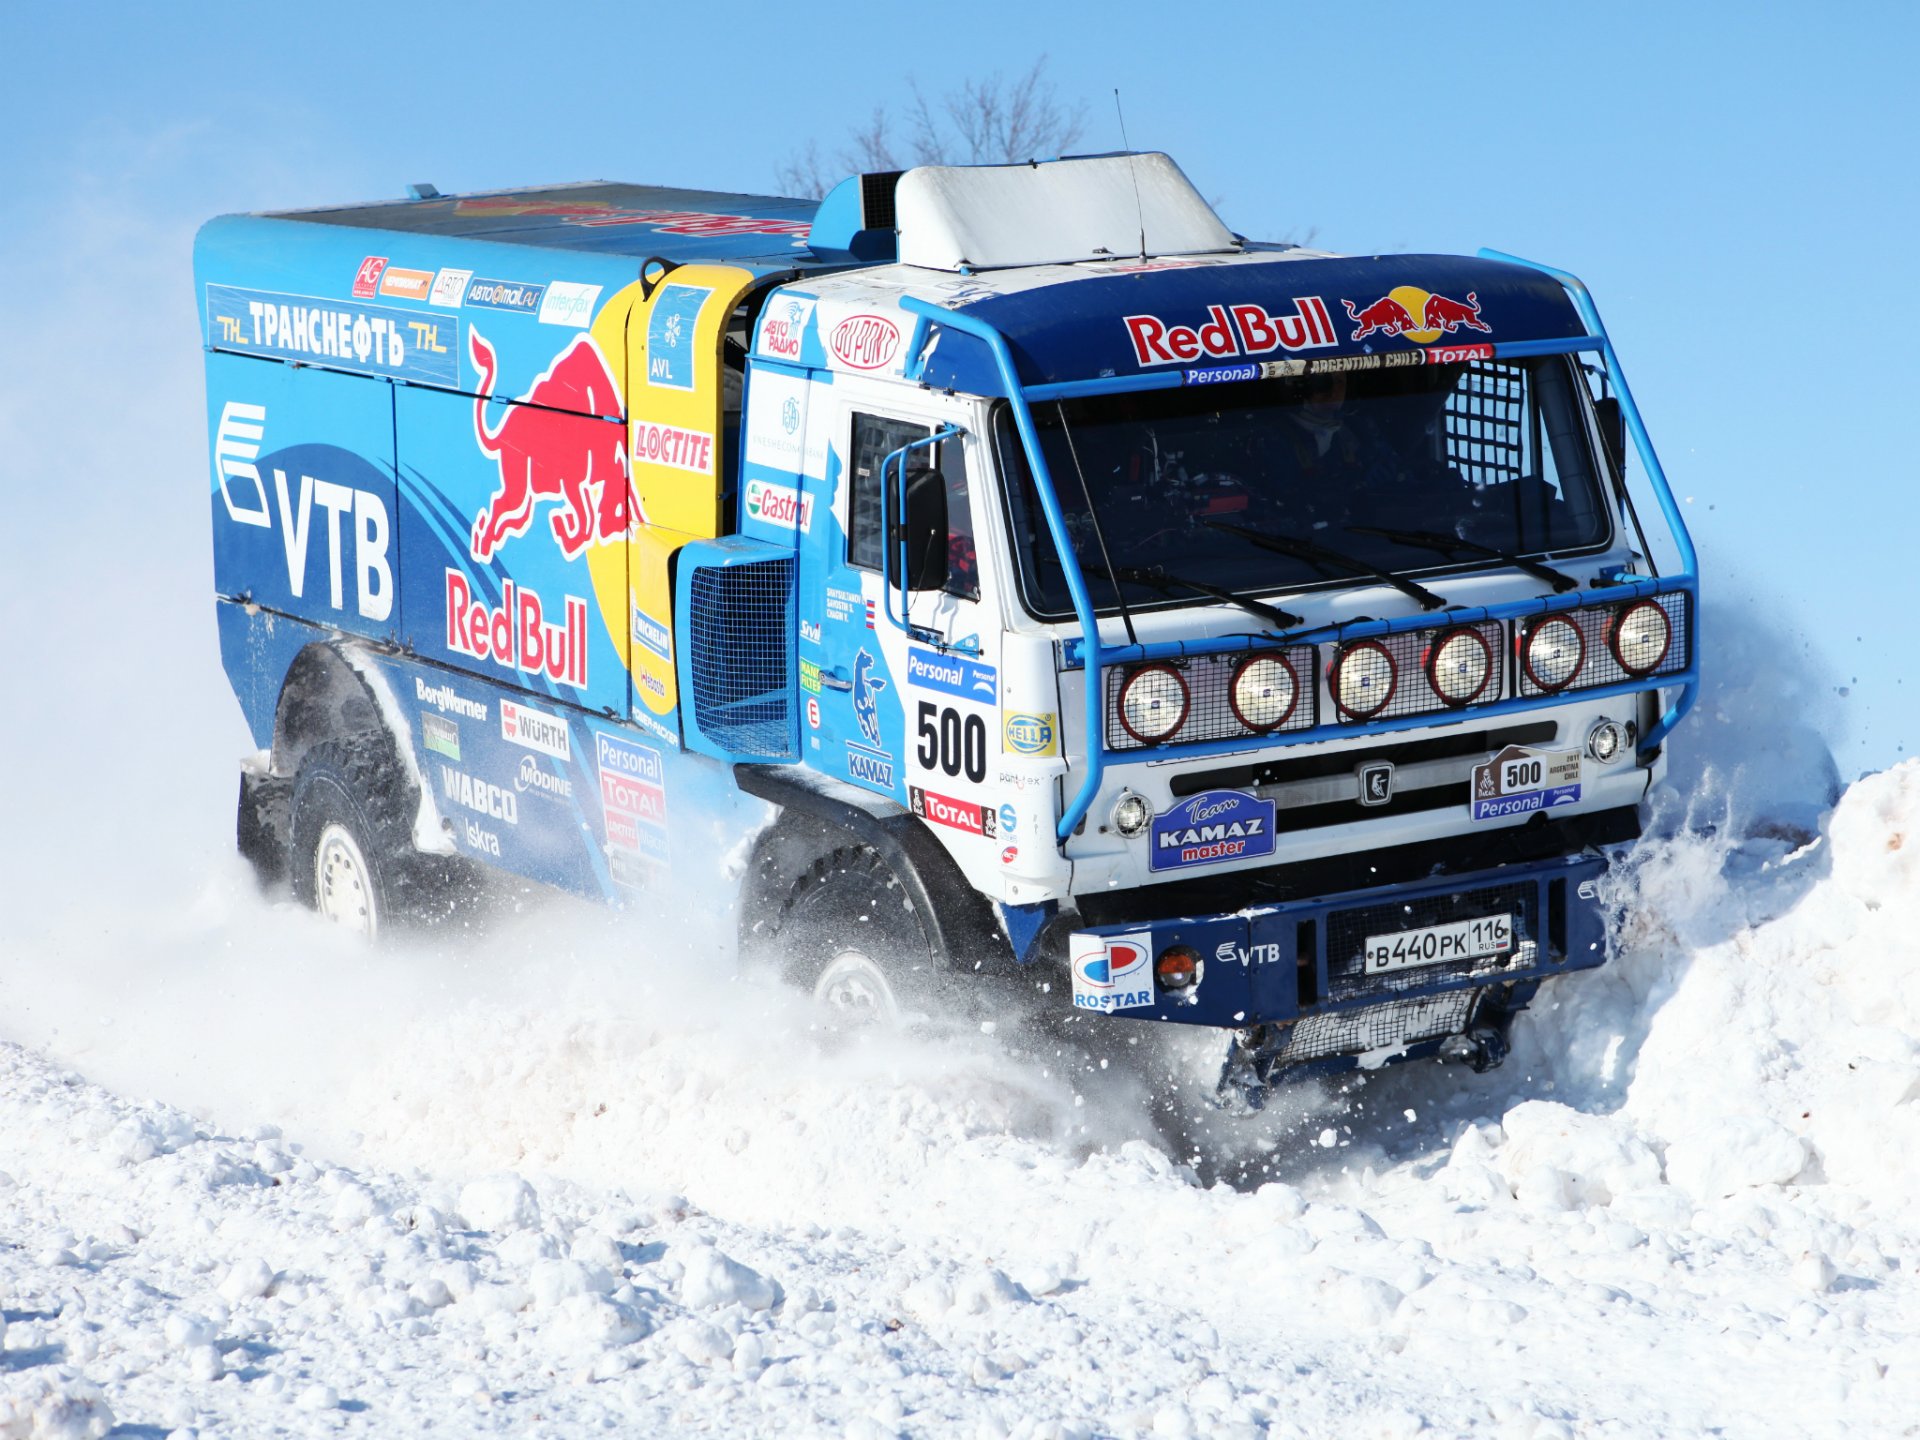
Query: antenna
x=1139, y=210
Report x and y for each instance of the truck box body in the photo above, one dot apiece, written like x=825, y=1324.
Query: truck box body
x=605, y=493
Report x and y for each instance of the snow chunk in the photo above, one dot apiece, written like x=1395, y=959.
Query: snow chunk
x=713, y=1279
x=319, y=1397
x=555, y=1280
x=246, y=1280
x=1558, y=1158
x=499, y=1202
x=34, y=1406
x=1737, y=1152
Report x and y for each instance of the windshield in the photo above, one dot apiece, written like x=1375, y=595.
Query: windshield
x=1188, y=482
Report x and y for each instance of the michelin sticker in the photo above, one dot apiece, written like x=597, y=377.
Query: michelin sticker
x=1518, y=781
x=1111, y=972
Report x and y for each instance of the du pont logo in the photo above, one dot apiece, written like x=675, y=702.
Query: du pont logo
x=865, y=342
x=1230, y=331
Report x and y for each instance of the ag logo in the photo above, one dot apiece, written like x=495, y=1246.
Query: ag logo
x=1376, y=782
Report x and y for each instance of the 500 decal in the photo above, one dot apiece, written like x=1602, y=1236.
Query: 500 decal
x=952, y=743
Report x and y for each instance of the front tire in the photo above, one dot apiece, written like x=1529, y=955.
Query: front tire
x=352, y=856
x=849, y=935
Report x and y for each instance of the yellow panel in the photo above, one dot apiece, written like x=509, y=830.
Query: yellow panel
x=676, y=395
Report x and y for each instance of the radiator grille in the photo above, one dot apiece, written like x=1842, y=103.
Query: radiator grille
x=1378, y=1027
x=741, y=636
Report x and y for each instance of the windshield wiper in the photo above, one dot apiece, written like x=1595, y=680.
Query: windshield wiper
x=1313, y=552
x=1156, y=578
x=1454, y=545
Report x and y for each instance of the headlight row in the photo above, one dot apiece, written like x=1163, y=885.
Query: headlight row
x=1448, y=667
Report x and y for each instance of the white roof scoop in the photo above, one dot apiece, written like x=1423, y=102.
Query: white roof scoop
x=991, y=217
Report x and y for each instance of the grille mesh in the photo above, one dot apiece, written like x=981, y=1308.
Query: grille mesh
x=1209, y=685
x=1378, y=1027
x=740, y=635
x=1599, y=667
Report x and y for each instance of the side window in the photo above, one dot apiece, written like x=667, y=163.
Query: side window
x=874, y=438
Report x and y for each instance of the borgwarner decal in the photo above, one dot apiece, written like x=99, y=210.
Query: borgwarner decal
x=1211, y=827
x=1231, y=331
x=1111, y=972
x=548, y=451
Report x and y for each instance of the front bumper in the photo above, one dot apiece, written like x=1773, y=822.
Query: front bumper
x=1301, y=964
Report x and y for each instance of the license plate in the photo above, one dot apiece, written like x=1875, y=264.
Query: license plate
x=1437, y=944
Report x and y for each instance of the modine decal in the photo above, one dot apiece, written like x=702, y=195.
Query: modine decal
x=1231, y=331
x=1111, y=972
x=373, y=339
x=1211, y=827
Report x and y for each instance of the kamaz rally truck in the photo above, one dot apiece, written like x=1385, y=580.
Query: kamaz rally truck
x=1007, y=571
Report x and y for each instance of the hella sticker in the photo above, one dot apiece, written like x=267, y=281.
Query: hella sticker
x=1030, y=734
x=1111, y=972
x=1209, y=828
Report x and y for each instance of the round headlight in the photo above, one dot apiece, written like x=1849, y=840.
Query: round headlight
x=1364, y=678
x=1264, y=692
x=1641, y=637
x=1459, y=666
x=1605, y=741
x=1130, y=814
x=1553, y=653
x=1153, y=703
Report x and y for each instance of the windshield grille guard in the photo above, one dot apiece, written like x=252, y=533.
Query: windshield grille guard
x=1088, y=650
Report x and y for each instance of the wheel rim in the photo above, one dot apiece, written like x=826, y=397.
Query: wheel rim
x=343, y=882
x=854, y=989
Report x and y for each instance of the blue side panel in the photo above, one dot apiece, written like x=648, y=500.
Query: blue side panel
x=257, y=647
x=303, y=498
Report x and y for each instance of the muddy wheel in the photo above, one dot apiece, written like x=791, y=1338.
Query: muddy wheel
x=850, y=937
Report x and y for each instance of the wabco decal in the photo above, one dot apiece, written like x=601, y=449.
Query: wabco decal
x=516, y=634
x=1211, y=827
x=780, y=505
x=548, y=451
x=480, y=796
x=953, y=675
x=535, y=729
x=1410, y=312
x=236, y=447
x=1111, y=972
x=372, y=339
x=1231, y=331
x=865, y=342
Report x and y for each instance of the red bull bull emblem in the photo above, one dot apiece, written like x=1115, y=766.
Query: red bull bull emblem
x=1408, y=312
x=547, y=449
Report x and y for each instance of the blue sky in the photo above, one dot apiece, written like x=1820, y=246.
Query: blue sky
x=1736, y=182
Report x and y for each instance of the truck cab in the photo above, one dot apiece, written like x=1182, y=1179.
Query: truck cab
x=1197, y=630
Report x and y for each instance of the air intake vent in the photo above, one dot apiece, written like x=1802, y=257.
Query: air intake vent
x=876, y=199
x=740, y=639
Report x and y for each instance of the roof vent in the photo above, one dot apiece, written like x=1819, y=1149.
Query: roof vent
x=1096, y=207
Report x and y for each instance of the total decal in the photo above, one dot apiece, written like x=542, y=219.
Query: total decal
x=243, y=492
x=633, y=797
x=1231, y=331
x=1211, y=827
x=871, y=764
x=954, y=814
x=1111, y=972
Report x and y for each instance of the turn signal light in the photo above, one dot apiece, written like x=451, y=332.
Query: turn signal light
x=1178, y=968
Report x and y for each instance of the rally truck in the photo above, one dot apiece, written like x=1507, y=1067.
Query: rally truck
x=1003, y=573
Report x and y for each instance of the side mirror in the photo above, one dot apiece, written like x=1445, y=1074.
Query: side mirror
x=922, y=528
x=1613, y=431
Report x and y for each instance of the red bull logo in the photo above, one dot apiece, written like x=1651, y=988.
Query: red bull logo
x=547, y=450
x=516, y=634
x=1231, y=331
x=1414, y=314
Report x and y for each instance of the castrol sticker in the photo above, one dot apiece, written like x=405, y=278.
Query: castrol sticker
x=780, y=505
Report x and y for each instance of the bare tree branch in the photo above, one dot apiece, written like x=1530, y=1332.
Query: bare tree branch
x=983, y=122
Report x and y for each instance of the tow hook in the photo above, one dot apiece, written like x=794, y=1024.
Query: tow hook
x=1483, y=1047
